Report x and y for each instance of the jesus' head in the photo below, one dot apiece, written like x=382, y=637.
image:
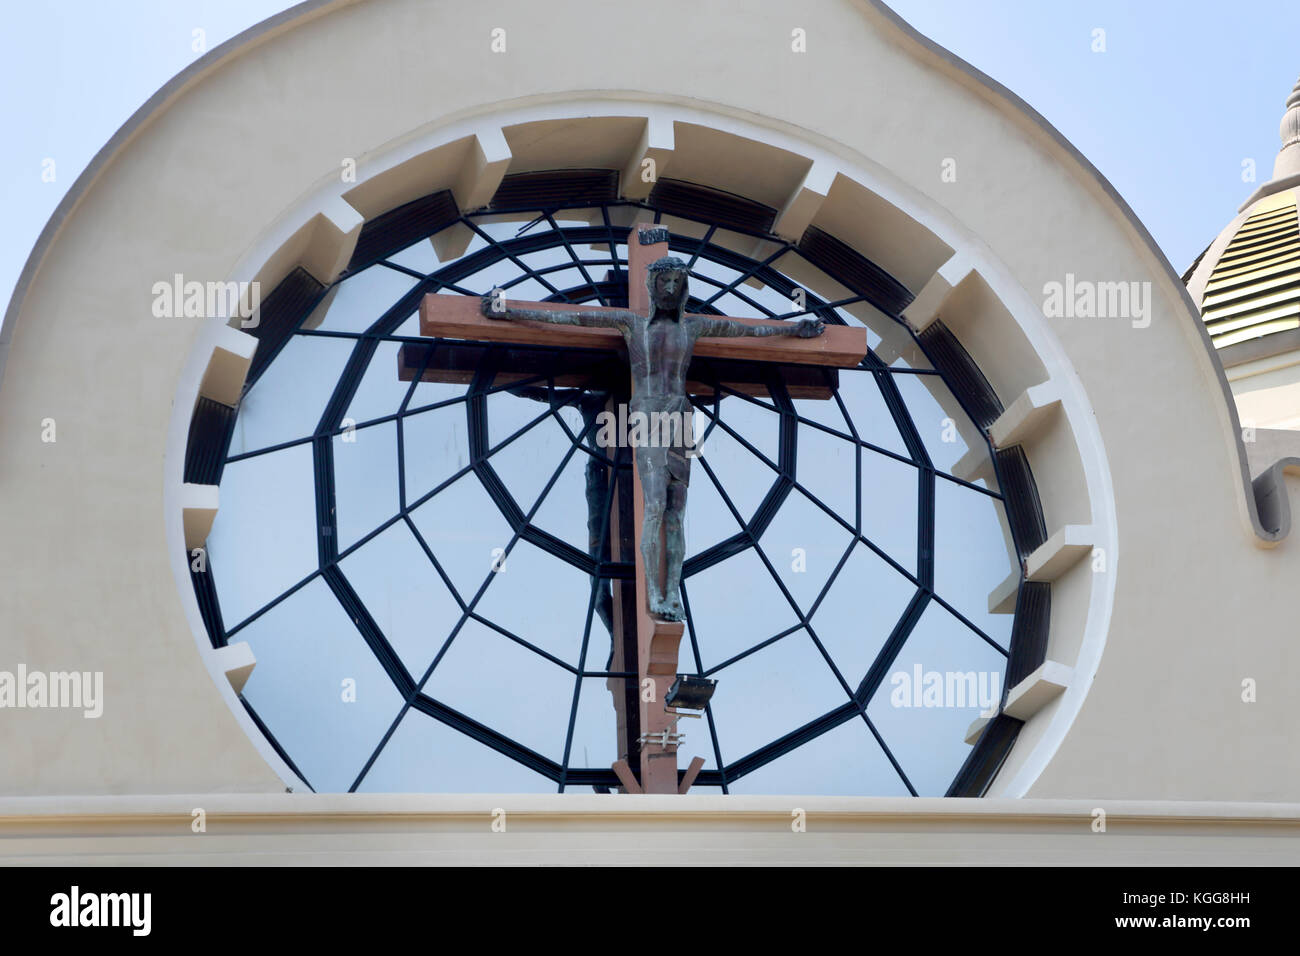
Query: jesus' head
x=666, y=282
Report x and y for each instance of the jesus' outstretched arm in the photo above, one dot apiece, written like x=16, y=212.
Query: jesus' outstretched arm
x=495, y=307
x=730, y=328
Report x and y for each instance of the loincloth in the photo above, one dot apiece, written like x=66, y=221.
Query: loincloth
x=670, y=434
x=672, y=460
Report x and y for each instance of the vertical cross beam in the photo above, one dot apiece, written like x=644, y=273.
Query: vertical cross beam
x=657, y=640
x=625, y=691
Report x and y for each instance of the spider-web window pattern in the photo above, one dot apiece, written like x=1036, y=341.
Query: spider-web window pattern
x=423, y=568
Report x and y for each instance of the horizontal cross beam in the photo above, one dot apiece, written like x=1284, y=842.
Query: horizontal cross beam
x=458, y=317
x=457, y=363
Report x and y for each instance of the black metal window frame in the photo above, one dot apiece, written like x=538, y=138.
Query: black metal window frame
x=544, y=195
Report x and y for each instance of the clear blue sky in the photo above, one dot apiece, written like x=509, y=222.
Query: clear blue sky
x=1186, y=90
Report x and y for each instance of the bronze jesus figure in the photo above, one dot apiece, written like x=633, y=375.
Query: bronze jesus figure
x=659, y=348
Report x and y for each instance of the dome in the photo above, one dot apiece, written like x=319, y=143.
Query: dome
x=1247, y=286
x=1252, y=289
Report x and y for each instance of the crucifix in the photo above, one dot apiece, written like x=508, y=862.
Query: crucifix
x=658, y=339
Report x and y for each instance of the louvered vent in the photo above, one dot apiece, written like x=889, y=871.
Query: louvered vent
x=1254, y=289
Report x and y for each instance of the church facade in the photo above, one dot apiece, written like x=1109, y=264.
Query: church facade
x=343, y=583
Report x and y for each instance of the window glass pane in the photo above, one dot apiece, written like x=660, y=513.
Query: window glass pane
x=707, y=277
x=410, y=326
x=426, y=756
x=418, y=257
x=498, y=682
x=745, y=478
x=464, y=529
x=365, y=480
x=544, y=601
x=827, y=470
x=263, y=539
x=770, y=693
x=318, y=687
x=735, y=605
x=523, y=289
x=866, y=406
x=926, y=731
x=380, y=391
x=768, y=298
x=708, y=519
x=733, y=305
x=359, y=300
x=496, y=276
x=575, y=509
x=846, y=760
x=434, y=447
x=804, y=545
x=595, y=741
x=528, y=463
x=972, y=555
x=507, y=413
x=860, y=610
x=287, y=401
x=828, y=413
x=565, y=279
x=890, y=491
x=944, y=428
x=755, y=422
x=404, y=594
x=545, y=258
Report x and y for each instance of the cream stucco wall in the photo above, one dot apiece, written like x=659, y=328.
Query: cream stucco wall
x=218, y=169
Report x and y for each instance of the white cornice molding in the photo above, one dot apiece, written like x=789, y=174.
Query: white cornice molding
x=383, y=809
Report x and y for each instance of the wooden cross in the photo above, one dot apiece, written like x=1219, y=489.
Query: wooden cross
x=800, y=364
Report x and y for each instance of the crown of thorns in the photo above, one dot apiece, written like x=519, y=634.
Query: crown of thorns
x=667, y=264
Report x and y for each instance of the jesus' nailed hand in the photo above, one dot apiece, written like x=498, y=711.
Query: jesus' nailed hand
x=659, y=348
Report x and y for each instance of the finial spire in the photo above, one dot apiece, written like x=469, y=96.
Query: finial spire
x=1288, y=158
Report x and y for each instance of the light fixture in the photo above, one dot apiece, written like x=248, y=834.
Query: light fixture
x=690, y=693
